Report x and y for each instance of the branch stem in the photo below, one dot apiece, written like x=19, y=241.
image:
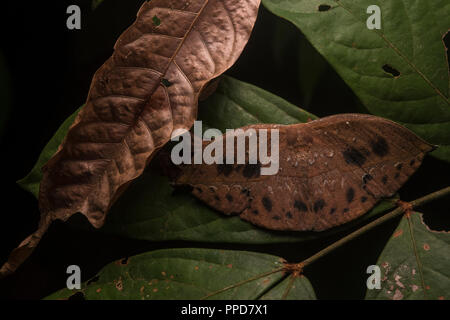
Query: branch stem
x=395, y=213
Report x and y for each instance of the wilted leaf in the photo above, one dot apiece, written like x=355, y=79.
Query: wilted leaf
x=415, y=264
x=131, y=110
x=398, y=72
x=331, y=171
x=154, y=212
x=192, y=274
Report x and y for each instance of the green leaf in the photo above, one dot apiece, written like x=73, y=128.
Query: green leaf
x=291, y=288
x=415, y=264
x=312, y=69
x=33, y=179
x=236, y=104
x=191, y=274
x=409, y=41
x=150, y=210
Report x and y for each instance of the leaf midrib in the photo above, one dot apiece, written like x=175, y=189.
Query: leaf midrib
x=416, y=253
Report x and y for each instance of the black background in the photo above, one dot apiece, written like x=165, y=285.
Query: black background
x=50, y=70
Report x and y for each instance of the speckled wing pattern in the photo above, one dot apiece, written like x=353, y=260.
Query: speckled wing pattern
x=331, y=171
x=146, y=91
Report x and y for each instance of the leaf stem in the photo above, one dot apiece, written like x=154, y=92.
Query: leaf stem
x=395, y=213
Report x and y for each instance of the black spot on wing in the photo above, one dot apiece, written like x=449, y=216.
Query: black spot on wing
x=252, y=170
x=300, y=206
x=354, y=156
x=224, y=169
x=380, y=147
x=267, y=203
x=318, y=205
x=350, y=194
x=367, y=177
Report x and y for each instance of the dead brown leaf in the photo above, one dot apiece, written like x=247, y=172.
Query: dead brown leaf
x=147, y=91
x=331, y=171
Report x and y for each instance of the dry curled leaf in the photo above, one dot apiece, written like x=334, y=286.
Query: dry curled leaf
x=147, y=91
x=331, y=171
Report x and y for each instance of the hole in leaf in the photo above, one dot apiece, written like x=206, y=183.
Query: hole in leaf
x=324, y=7
x=79, y=296
x=391, y=70
x=94, y=279
x=156, y=21
x=124, y=261
x=166, y=82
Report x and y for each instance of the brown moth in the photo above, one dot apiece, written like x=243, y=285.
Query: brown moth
x=331, y=171
x=147, y=91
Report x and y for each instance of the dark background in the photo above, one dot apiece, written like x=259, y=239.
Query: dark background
x=49, y=70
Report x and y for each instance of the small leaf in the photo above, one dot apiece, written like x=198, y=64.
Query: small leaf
x=399, y=72
x=329, y=172
x=415, y=263
x=188, y=274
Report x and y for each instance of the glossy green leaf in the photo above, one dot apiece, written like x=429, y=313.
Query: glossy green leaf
x=191, y=274
x=151, y=210
x=415, y=264
x=410, y=41
x=236, y=104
